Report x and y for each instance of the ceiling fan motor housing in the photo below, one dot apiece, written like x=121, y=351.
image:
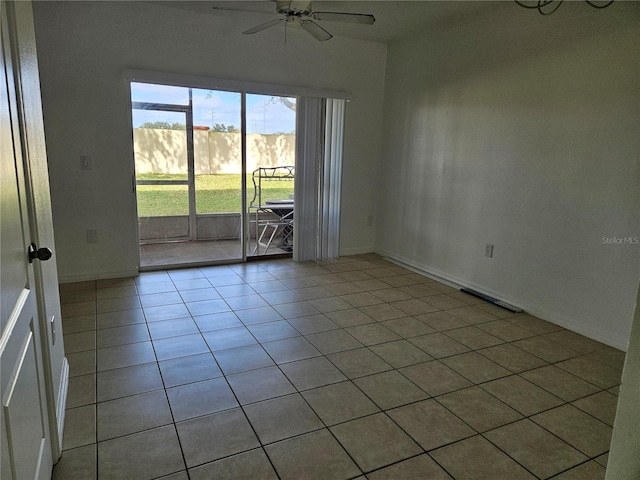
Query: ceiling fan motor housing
x=289, y=7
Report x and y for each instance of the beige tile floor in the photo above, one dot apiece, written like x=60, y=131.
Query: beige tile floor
x=353, y=368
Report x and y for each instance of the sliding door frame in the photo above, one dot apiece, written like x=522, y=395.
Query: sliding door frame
x=244, y=223
x=244, y=88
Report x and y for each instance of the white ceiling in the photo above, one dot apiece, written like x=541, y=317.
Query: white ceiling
x=394, y=19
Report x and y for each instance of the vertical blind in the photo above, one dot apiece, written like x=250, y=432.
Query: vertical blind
x=319, y=143
x=309, y=148
x=331, y=180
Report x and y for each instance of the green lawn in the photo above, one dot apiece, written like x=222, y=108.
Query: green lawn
x=214, y=194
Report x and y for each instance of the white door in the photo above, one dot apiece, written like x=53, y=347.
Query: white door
x=34, y=153
x=24, y=427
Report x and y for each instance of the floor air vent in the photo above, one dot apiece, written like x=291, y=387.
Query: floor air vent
x=489, y=299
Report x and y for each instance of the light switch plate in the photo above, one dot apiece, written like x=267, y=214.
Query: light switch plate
x=85, y=162
x=92, y=236
x=488, y=250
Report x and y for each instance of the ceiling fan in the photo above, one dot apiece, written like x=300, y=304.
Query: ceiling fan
x=290, y=11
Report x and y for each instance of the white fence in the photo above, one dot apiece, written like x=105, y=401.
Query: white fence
x=165, y=151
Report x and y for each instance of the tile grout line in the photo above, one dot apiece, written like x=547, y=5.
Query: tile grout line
x=379, y=322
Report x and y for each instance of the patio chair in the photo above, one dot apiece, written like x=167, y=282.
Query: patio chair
x=273, y=217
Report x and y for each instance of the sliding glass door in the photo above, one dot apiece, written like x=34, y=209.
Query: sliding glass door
x=270, y=144
x=200, y=191
x=218, y=173
x=188, y=175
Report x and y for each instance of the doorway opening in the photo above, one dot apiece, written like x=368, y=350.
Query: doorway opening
x=196, y=152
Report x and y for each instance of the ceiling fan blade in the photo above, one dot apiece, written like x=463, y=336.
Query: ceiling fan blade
x=316, y=30
x=360, y=18
x=263, y=26
x=242, y=10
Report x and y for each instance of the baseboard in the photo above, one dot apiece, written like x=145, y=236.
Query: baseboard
x=96, y=276
x=615, y=341
x=345, y=252
x=422, y=270
x=605, y=337
x=63, y=390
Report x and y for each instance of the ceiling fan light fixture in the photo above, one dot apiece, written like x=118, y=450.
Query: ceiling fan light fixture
x=284, y=8
x=289, y=7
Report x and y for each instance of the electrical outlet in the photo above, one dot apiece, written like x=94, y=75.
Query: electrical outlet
x=85, y=162
x=370, y=221
x=488, y=250
x=92, y=236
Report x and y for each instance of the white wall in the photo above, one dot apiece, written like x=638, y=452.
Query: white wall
x=520, y=131
x=84, y=49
